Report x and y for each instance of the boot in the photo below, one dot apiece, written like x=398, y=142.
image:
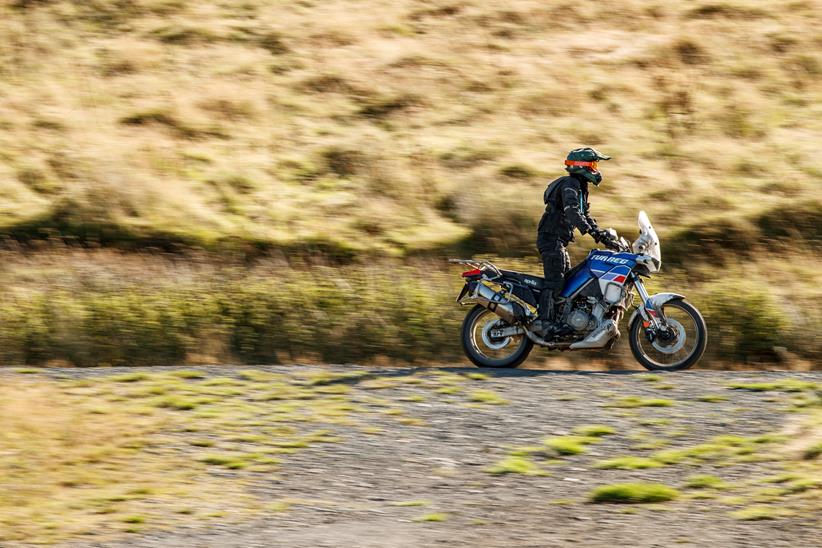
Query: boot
x=545, y=322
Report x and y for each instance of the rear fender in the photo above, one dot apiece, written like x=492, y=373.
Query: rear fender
x=654, y=303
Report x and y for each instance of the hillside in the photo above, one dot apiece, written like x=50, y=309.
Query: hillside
x=390, y=127
x=309, y=165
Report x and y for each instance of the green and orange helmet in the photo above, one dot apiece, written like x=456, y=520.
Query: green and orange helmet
x=583, y=161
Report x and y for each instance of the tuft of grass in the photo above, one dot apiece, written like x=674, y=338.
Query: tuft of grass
x=477, y=376
x=812, y=452
x=569, y=445
x=516, y=465
x=188, y=374
x=786, y=385
x=704, y=481
x=628, y=463
x=629, y=402
x=713, y=398
x=411, y=503
x=435, y=517
x=650, y=377
x=487, y=397
x=594, y=430
x=633, y=493
x=757, y=513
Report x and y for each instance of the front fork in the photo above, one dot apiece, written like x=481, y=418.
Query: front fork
x=651, y=320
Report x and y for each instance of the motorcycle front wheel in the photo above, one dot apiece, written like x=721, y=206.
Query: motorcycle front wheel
x=680, y=347
x=486, y=351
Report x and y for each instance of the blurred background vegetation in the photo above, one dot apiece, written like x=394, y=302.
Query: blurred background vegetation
x=270, y=182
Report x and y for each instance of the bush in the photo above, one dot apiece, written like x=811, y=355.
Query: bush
x=744, y=320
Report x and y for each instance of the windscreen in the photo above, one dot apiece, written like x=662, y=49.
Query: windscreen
x=648, y=241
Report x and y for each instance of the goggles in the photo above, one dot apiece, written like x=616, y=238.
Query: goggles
x=592, y=165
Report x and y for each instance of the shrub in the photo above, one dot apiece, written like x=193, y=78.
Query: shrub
x=744, y=319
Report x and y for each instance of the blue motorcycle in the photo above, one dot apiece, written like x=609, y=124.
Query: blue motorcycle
x=666, y=333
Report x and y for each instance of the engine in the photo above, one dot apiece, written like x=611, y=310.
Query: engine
x=586, y=314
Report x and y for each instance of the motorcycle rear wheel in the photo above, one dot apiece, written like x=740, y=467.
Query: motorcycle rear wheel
x=503, y=353
x=666, y=356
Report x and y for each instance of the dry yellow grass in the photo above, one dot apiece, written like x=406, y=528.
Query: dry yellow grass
x=77, y=465
x=395, y=126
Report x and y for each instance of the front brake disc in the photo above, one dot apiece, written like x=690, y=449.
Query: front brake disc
x=678, y=342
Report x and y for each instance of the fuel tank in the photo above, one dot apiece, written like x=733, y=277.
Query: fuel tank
x=609, y=268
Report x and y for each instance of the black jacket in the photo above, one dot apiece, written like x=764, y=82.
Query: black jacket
x=566, y=208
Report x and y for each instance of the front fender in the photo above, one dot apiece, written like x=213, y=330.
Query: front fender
x=655, y=303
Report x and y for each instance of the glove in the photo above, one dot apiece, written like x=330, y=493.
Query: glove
x=604, y=237
x=599, y=236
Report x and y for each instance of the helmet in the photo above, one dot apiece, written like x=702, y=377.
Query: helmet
x=583, y=161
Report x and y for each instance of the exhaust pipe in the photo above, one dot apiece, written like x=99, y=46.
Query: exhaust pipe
x=498, y=303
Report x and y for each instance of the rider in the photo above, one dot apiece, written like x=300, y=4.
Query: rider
x=566, y=208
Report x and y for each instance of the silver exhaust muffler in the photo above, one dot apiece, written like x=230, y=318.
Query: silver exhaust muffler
x=497, y=302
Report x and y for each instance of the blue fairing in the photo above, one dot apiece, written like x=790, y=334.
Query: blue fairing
x=597, y=264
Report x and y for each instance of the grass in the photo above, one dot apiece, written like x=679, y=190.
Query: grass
x=220, y=139
x=786, y=385
x=488, y=397
x=630, y=402
x=628, y=463
x=570, y=445
x=757, y=513
x=127, y=451
x=411, y=503
x=704, y=481
x=633, y=493
x=516, y=465
x=594, y=430
x=75, y=471
x=434, y=517
x=712, y=398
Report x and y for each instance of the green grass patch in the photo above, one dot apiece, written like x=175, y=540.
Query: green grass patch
x=812, y=452
x=633, y=493
x=758, y=513
x=514, y=464
x=628, y=463
x=488, y=397
x=629, y=402
x=712, y=398
x=786, y=385
x=435, y=517
x=594, y=430
x=704, y=481
x=569, y=445
x=411, y=503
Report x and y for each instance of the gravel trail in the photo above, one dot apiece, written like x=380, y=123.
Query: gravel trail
x=379, y=490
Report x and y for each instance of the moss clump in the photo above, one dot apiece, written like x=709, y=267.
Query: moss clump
x=633, y=493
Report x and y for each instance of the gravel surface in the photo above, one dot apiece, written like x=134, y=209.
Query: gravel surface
x=374, y=490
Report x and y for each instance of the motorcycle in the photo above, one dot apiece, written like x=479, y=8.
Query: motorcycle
x=666, y=332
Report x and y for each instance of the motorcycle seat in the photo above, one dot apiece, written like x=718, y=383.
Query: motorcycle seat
x=527, y=279
x=537, y=282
